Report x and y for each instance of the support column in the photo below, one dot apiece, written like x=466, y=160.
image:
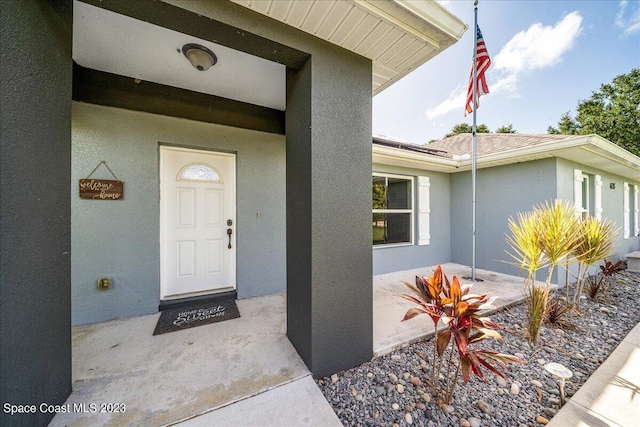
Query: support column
x=329, y=256
x=35, y=170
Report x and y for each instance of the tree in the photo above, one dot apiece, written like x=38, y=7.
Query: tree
x=506, y=129
x=467, y=128
x=566, y=126
x=613, y=112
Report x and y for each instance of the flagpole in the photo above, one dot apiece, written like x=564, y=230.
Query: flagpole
x=473, y=141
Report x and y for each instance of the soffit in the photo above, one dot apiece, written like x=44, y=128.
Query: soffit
x=397, y=35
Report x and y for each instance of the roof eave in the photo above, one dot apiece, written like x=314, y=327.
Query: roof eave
x=417, y=14
x=399, y=157
x=617, y=160
x=422, y=30
x=596, y=144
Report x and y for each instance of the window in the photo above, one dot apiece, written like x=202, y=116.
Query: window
x=584, y=207
x=199, y=172
x=587, y=194
x=392, y=209
x=631, y=209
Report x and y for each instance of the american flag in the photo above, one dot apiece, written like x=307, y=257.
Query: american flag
x=483, y=61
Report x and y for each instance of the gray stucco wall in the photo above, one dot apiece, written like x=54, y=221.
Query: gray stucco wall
x=438, y=251
x=35, y=123
x=328, y=127
x=501, y=193
x=329, y=272
x=120, y=239
x=612, y=201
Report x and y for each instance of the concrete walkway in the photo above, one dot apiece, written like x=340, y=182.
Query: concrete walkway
x=611, y=396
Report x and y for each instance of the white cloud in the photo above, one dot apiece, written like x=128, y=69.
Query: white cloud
x=454, y=102
x=539, y=46
x=507, y=85
x=535, y=48
x=630, y=24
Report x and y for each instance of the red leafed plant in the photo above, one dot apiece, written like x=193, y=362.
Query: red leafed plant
x=610, y=269
x=460, y=311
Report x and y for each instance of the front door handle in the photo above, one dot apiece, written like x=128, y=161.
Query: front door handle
x=229, y=233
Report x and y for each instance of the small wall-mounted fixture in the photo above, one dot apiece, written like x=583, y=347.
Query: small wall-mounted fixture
x=612, y=186
x=103, y=284
x=200, y=57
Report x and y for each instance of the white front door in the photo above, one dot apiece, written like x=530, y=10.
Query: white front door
x=197, y=222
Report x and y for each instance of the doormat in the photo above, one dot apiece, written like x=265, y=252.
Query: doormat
x=197, y=314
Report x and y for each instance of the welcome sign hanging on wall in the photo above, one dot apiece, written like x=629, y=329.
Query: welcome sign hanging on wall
x=101, y=189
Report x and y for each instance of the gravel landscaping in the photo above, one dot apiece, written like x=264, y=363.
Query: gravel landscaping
x=391, y=390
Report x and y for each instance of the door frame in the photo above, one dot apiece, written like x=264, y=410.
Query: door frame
x=225, y=153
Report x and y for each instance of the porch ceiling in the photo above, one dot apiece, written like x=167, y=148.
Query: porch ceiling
x=114, y=43
x=397, y=35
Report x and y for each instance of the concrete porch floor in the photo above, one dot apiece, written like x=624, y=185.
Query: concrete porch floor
x=170, y=378
x=238, y=372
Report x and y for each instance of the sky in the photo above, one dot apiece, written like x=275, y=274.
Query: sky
x=546, y=56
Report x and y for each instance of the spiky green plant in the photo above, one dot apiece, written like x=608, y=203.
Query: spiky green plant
x=537, y=299
x=596, y=241
x=559, y=232
x=546, y=237
x=525, y=244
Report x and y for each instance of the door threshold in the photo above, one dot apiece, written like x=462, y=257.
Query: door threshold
x=200, y=299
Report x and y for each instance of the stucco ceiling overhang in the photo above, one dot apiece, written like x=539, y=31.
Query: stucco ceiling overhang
x=588, y=150
x=397, y=35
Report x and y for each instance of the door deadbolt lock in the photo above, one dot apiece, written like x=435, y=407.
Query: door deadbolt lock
x=229, y=223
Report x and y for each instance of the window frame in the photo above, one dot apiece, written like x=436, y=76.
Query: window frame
x=410, y=211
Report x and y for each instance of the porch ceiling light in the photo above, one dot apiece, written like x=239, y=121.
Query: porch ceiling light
x=200, y=57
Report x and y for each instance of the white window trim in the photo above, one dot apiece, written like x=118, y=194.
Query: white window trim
x=409, y=211
x=578, y=177
x=626, y=211
x=636, y=210
x=424, y=210
x=585, y=194
x=598, y=196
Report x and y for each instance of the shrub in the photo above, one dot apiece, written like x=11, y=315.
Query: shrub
x=537, y=300
x=609, y=269
x=596, y=287
x=464, y=328
x=558, y=311
x=551, y=235
x=596, y=239
x=545, y=237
